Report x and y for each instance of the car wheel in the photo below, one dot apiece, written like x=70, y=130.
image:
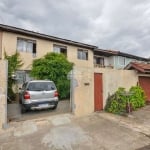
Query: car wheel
x=54, y=107
x=23, y=109
x=20, y=102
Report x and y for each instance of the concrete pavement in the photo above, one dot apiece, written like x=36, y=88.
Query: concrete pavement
x=138, y=120
x=98, y=131
x=14, y=111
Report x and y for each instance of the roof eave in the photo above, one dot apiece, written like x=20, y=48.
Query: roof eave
x=132, y=56
x=118, y=53
x=44, y=36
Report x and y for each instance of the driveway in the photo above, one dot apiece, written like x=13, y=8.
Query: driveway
x=15, y=115
x=98, y=131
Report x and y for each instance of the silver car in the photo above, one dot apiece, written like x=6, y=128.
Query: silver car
x=38, y=94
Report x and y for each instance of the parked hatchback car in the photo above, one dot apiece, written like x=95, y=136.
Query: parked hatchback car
x=38, y=94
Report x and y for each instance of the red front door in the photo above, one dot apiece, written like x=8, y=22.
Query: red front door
x=98, y=92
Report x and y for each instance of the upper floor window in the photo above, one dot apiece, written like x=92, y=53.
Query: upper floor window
x=25, y=45
x=60, y=49
x=121, y=60
x=82, y=54
x=99, y=61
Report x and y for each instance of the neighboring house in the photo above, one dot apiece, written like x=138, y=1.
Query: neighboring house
x=32, y=45
x=114, y=59
x=143, y=71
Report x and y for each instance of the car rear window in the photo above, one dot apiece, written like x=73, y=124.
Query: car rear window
x=41, y=86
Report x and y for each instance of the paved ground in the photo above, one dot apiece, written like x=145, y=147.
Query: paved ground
x=14, y=112
x=98, y=131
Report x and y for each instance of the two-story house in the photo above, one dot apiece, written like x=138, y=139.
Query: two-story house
x=115, y=59
x=93, y=84
x=32, y=45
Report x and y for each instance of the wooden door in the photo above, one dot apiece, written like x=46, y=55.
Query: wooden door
x=98, y=92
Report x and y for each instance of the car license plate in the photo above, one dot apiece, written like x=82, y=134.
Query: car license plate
x=43, y=105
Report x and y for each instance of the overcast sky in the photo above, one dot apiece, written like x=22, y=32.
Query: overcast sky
x=122, y=25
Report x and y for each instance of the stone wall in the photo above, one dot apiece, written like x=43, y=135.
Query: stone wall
x=3, y=93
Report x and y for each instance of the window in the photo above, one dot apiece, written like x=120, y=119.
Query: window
x=41, y=86
x=60, y=49
x=23, y=76
x=24, y=45
x=82, y=54
x=99, y=61
x=121, y=60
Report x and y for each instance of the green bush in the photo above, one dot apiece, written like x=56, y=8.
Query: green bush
x=137, y=97
x=54, y=67
x=14, y=63
x=117, y=102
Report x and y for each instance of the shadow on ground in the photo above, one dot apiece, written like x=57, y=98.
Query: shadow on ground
x=14, y=111
x=144, y=148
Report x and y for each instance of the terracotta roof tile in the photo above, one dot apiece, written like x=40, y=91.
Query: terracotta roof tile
x=141, y=67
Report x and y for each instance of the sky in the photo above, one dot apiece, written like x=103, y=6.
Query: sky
x=122, y=25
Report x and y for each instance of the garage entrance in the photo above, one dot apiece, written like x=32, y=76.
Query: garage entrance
x=98, y=92
x=144, y=82
x=14, y=105
x=143, y=70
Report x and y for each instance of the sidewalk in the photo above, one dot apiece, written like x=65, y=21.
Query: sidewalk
x=138, y=120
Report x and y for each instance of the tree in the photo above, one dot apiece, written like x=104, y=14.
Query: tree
x=54, y=67
x=14, y=63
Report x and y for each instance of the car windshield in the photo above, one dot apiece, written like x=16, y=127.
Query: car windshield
x=41, y=86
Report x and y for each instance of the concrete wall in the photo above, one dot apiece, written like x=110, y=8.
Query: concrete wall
x=1, y=44
x=43, y=46
x=113, y=79
x=106, y=61
x=83, y=91
x=3, y=93
x=111, y=60
x=83, y=81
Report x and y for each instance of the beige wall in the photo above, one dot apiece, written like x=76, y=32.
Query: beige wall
x=1, y=34
x=113, y=79
x=72, y=56
x=3, y=93
x=83, y=96
x=84, y=91
x=43, y=46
